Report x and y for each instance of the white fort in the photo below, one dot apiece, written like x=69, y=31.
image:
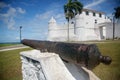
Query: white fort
x=89, y=25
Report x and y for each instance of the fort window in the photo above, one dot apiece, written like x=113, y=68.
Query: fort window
x=87, y=13
x=94, y=14
x=100, y=15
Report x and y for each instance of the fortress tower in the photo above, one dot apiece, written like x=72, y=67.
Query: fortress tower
x=52, y=26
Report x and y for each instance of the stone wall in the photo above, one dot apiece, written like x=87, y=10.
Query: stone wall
x=49, y=66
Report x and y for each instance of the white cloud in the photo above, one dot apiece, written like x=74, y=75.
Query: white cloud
x=9, y=17
x=54, y=10
x=45, y=15
x=50, y=13
x=20, y=10
x=11, y=23
x=58, y=16
x=11, y=12
x=94, y=3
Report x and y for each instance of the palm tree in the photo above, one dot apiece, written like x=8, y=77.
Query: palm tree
x=116, y=16
x=117, y=12
x=72, y=8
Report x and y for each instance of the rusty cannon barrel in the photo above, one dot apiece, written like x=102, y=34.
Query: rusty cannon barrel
x=87, y=55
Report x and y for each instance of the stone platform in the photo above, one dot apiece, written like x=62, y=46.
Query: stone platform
x=49, y=66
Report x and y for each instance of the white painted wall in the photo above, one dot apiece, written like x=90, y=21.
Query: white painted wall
x=109, y=30
x=117, y=29
x=59, y=32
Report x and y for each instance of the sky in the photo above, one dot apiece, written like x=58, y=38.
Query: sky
x=34, y=15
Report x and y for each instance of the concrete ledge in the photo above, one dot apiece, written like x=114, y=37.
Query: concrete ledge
x=49, y=66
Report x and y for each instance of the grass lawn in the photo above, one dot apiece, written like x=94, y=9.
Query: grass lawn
x=10, y=63
x=112, y=71
x=7, y=44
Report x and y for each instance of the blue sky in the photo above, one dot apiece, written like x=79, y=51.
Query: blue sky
x=33, y=16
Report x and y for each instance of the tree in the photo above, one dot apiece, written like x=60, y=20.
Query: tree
x=115, y=16
x=72, y=8
x=117, y=12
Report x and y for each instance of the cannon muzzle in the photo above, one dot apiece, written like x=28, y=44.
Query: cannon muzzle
x=105, y=59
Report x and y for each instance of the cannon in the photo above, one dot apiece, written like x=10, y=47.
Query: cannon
x=87, y=55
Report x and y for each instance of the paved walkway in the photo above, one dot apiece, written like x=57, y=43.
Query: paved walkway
x=20, y=46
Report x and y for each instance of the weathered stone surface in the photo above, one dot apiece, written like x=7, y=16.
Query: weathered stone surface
x=49, y=66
